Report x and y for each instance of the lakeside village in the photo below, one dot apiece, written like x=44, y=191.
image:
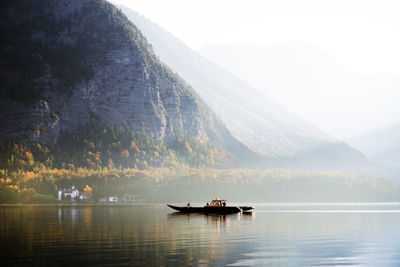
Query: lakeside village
x=74, y=195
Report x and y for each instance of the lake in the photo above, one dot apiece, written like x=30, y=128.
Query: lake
x=310, y=234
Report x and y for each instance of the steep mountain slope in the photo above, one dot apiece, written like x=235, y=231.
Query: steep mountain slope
x=65, y=63
x=250, y=115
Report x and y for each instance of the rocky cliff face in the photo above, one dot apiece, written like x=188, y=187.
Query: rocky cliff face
x=66, y=62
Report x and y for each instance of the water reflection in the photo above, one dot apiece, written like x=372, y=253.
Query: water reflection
x=212, y=223
x=152, y=235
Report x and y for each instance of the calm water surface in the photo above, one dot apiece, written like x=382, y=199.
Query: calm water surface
x=153, y=235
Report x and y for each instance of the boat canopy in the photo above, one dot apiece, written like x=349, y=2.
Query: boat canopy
x=217, y=202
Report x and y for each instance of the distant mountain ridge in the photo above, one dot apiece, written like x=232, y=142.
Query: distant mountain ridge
x=306, y=79
x=294, y=71
x=65, y=63
x=253, y=118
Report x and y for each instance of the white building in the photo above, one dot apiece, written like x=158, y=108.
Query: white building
x=113, y=199
x=70, y=194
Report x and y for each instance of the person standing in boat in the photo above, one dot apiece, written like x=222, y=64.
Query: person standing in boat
x=188, y=205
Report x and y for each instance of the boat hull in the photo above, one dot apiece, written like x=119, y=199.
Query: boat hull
x=207, y=209
x=187, y=210
x=246, y=208
x=221, y=210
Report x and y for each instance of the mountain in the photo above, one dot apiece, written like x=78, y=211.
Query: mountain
x=381, y=145
x=251, y=116
x=306, y=79
x=66, y=63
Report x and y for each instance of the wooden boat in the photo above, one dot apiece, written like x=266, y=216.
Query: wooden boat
x=217, y=206
x=246, y=208
x=187, y=209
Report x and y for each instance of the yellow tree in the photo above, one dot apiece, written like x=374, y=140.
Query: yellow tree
x=29, y=159
x=88, y=191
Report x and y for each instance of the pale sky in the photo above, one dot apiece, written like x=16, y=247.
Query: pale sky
x=348, y=29
x=362, y=36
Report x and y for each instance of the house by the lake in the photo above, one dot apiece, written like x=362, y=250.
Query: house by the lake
x=71, y=194
x=110, y=199
x=113, y=199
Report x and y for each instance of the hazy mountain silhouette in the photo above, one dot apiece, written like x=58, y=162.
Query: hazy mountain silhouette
x=249, y=114
x=308, y=80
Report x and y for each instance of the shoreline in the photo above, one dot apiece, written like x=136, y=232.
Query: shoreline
x=285, y=204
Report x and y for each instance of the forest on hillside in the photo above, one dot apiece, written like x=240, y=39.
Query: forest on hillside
x=161, y=185
x=29, y=171
x=102, y=160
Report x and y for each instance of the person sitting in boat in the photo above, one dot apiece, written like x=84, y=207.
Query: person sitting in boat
x=224, y=204
x=207, y=204
x=188, y=205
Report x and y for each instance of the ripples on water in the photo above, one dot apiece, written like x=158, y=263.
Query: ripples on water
x=311, y=234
